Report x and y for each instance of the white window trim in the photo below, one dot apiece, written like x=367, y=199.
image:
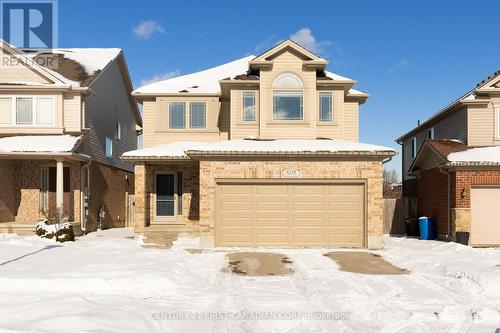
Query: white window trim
x=431, y=132
x=243, y=105
x=34, y=110
x=498, y=123
x=302, y=113
x=331, y=107
x=413, y=142
x=118, y=130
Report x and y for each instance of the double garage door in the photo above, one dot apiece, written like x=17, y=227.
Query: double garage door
x=485, y=215
x=290, y=214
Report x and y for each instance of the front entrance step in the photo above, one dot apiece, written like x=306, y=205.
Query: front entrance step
x=165, y=235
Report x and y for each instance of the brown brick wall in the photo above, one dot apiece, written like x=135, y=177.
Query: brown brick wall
x=371, y=171
x=145, y=187
x=465, y=179
x=109, y=188
x=20, y=194
x=432, y=191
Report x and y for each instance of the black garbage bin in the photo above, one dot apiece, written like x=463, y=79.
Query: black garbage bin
x=412, y=227
x=462, y=237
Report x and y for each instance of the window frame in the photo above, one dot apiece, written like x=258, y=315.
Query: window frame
x=277, y=91
x=166, y=218
x=191, y=115
x=34, y=111
x=118, y=130
x=243, y=97
x=413, y=143
x=108, y=154
x=170, y=117
x=430, y=133
x=320, y=104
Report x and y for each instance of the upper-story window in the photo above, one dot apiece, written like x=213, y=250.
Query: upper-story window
x=27, y=110
x=325, y=106
x=118, y=130
x=177, y=115
x=249, y=106
x=413, y=142
x=197, y=115
x=288, y=96
x=108, y=147
x=430, y=133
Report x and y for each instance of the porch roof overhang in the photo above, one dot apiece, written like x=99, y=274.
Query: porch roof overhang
x=42, y=147
x=321, y=148
x=45, y=155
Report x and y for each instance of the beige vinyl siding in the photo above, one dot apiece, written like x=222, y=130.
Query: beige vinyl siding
x=239, y=128
x=149, y=110
x=108, y=104
x=482, y=122
x=72, y=106
x=11, y=70
x=453, y=126
x=306, y=129
x=351, y=121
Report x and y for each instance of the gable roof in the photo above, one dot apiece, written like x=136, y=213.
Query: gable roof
x=468, y=98
x=440, y=147
x=288, y=44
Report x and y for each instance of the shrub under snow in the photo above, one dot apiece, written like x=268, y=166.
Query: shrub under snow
x=62, y=232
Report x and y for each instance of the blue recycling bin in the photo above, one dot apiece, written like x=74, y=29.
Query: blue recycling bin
x=427, y=228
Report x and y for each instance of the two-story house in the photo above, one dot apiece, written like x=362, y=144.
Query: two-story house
x=260, y=151
x=66, y=116
x=451, y=164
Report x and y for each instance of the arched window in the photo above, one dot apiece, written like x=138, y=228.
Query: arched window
x=288, y=97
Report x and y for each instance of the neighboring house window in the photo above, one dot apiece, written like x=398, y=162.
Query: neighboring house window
x=325, y=106
x=498, y=122
x=118, y=129
x=288, y=98
x=413, y=143
x=44, y=111
x=249, y=106
x=24, y=111
x=197, y=115
x=6, y=110
x=27, y=111
x=430, y=133
x=109, y=147
x=177, y=115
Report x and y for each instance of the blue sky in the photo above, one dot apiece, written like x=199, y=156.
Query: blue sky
x=412, y=57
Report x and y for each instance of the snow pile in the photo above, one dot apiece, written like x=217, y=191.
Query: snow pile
x=38, y=143
x=290, y=146
x=206, y=81
x=176, y=149
x=477, y=155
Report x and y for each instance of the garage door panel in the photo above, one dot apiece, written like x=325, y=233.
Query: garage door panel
x=485, y=215
x=290, y=215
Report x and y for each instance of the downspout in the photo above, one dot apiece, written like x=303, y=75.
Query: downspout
x=449, y=199
x=83, y=219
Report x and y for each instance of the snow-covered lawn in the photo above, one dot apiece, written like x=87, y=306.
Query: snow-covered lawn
x=107, y=282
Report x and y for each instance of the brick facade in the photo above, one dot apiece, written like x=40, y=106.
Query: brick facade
x=432, y=192
x=432, y=189
x=21, y=183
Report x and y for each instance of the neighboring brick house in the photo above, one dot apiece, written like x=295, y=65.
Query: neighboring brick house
x=261, y=151
x=451, y=164
x=66, y=116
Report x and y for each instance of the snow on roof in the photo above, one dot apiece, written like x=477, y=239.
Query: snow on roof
x=38, y=143
x=173, y=150
x=289, y=146
x=206, y=81
x=336, y=76
x=484, y=155
x=91, y=59
x=356, y=92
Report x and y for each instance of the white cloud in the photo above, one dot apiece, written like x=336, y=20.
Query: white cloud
x=399, y=64
x=160, y=77
x=148, y=28
x=305, y=38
